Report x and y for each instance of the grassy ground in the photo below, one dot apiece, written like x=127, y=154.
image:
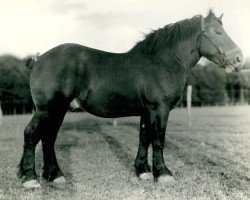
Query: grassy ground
x=210, y=160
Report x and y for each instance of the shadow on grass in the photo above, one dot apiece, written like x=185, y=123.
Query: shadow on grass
x=69, y=139
x=121, y=154
x=134, y=125
x=88, y=125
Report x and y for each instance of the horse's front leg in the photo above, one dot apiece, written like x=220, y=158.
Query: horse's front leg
x=158, y=123
x=141, y=162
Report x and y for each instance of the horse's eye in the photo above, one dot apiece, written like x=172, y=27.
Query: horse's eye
x=218, y=32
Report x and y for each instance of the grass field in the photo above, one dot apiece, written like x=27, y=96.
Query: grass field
x=209, y=160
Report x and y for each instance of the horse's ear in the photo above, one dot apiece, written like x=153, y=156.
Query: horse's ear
x=211, y=13
x=220, y=17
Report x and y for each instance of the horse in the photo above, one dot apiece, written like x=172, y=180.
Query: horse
x=146, y=81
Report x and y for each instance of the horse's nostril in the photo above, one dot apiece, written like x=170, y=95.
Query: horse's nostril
x=238, y=59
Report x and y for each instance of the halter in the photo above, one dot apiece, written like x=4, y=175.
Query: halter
x=224, y=55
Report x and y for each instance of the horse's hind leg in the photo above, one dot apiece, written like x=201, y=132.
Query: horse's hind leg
x=32, y=135
x=51, y=170
x=44, y=125
x=141, y=162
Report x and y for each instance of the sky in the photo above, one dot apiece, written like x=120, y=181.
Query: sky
x=31, y=26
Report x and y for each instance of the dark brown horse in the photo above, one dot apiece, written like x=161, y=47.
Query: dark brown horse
x=146, y=81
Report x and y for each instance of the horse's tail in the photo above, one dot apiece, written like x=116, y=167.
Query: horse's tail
x=31, y=61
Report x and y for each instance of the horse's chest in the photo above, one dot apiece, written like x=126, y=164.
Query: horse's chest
x=168, y=92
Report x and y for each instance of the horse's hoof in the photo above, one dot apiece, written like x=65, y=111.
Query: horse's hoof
x=146, y=176
x=166, y=179
x=60, y=180
x=31, y=184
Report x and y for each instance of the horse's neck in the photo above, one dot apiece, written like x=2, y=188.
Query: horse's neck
x=184, y=54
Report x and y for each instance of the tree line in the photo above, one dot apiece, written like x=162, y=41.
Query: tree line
x=211, y=86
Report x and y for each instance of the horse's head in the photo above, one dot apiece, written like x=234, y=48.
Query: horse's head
x=217, y=46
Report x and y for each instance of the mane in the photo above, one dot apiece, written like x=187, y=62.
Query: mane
x=169, y=35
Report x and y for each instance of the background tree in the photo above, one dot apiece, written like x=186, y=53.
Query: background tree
x=14, y=85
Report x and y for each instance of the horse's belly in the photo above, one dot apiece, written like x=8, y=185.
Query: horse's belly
x=111, y=105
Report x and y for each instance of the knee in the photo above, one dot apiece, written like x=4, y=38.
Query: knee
x=35, y=123
x=31, y=137
x=28, y=130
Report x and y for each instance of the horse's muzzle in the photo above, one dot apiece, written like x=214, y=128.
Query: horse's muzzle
x=236, y=61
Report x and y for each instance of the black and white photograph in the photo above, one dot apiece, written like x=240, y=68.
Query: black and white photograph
x=125, y=100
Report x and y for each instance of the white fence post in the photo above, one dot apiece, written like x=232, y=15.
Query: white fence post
x=115, y=122
x=242, y=96
x=189, y=104
x=1, y=114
